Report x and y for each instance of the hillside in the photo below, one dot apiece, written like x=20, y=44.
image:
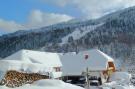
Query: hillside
x=113, y=34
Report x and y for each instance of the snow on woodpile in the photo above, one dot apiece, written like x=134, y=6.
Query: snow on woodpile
x=23, y=66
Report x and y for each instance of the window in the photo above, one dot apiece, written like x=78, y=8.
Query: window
x=86, y=56
x=57, y=69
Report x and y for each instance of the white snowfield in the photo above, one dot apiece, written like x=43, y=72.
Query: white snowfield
x=47, y=84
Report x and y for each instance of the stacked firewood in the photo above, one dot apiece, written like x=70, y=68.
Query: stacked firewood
x=14, y=79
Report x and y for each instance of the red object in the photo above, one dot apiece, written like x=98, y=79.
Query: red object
x=86, y=56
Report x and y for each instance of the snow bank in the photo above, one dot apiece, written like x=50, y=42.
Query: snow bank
x=118, y=87
x=120, y=80
x=121, y=77
x=48, y=84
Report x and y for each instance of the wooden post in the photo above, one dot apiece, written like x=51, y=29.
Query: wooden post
x=87, y=78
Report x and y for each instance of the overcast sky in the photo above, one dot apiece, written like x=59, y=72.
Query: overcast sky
x=29, y=14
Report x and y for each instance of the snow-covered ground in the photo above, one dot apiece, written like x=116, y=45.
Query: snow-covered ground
x=117, y=85
x=58, y=84
x=118, y=82
x=47, y=84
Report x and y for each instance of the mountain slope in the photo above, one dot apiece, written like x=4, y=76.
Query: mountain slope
x=113, y=34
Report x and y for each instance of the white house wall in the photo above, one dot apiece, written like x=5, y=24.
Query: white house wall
x=75, y=64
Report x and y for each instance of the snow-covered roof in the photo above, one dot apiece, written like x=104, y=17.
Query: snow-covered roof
x=31, y=61
x=75, y=64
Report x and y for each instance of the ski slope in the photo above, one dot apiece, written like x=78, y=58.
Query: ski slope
x=79, y=32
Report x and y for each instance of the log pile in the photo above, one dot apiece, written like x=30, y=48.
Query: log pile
x=14, y=78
